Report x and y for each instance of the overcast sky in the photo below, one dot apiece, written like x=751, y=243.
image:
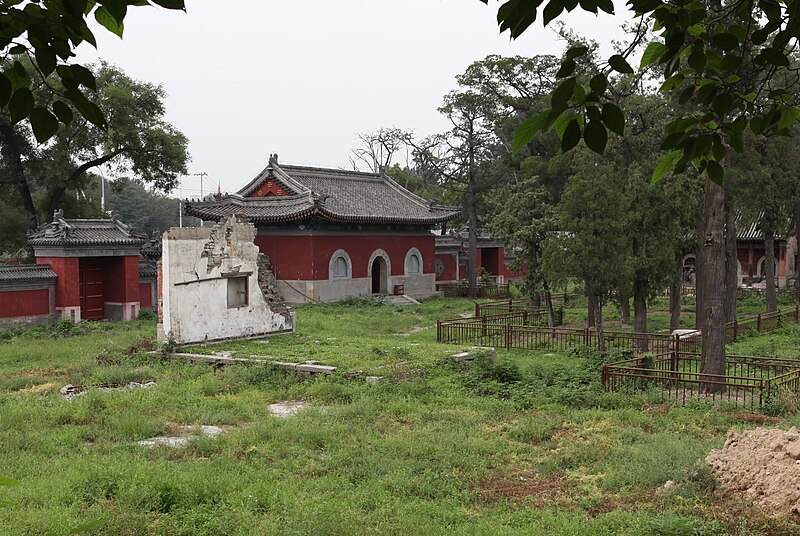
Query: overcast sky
x=302, y=78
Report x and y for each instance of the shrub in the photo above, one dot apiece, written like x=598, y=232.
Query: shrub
x=148, y=315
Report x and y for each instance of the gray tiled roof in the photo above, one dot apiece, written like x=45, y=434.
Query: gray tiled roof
x=333, y=194
x=26, y=272
x=148, y=268
x=747, y=229
x=152, y=248
x=460, y=238
x=63, y=232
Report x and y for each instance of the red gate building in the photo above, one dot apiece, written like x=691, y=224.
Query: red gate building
x=97, y=266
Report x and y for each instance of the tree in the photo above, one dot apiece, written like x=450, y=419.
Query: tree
x=657, y=215
x=709, y=52
x=592, y=245
x=46, y=33
x=138, y=141
x=772, y=170
x=460, y=159
x=376, y=150
x=527, y=223
x=147, y=210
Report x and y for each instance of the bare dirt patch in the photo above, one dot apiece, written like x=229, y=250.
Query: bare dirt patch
x=658, y=409
x=525, y=485
x=763, y=466
x=753, y=417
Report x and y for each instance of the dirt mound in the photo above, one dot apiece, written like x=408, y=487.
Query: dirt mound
x=764, y=465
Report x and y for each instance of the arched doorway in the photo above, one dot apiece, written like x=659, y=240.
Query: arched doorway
x=379, y=276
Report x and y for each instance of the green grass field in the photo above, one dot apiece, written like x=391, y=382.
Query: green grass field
x=529, y=445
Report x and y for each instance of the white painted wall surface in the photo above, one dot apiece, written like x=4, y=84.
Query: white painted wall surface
x=194, y=300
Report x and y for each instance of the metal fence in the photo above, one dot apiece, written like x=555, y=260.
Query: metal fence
x=749, y=381
x=527, y=330
x=481, y=290
x=511, y=305
x=503, y=331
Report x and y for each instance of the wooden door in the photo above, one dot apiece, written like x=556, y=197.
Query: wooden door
x=92, y=284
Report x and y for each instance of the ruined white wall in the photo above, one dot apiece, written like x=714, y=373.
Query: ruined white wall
x=198, y=264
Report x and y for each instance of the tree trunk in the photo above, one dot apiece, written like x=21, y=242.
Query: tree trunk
x=625, y=311
x=640, y=312
x=731, y=262
x=675, y=296
x=698, y=276
x=13, y=154
x=712, y=286
x=769, y=270
x=598, y=321
x=591, y=306
x=797, y=250
x=548, y=301
x=472, y=250
x=57, y=194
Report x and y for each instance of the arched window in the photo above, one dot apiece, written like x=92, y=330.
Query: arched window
x=762, y=269
x=413, y=262
x=340, y=266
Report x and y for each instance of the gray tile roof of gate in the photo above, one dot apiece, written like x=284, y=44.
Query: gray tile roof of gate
x=27, y=272
x=333, y=194
x=99, y=232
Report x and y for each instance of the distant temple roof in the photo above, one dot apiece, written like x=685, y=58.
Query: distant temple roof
x=148, y=268
x=152, y=248
x=749, y=230
x=333, y=194
x=26, y=272
x=61, y=232
x=460, y=238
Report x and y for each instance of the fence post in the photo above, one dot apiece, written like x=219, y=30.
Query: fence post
x=477, y=309
x=438, y=331
x=735, y=330
x=586, y=336
x=508, y=336
x=758, y=322
x=565, y=297
x=673, y=362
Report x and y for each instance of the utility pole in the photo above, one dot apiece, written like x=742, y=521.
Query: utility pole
x=202, y=175
x=180, y=202
x=102, y=191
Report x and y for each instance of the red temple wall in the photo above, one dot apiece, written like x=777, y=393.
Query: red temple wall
x=68, y=282
x=15, y=303
x=145, y=295
x=361, y=248
x=121, y=279
x=308, y=257
x=290, y=256
x=449, y=262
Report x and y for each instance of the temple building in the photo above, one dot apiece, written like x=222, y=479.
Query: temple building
x=96, y=264
x=331, y=234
